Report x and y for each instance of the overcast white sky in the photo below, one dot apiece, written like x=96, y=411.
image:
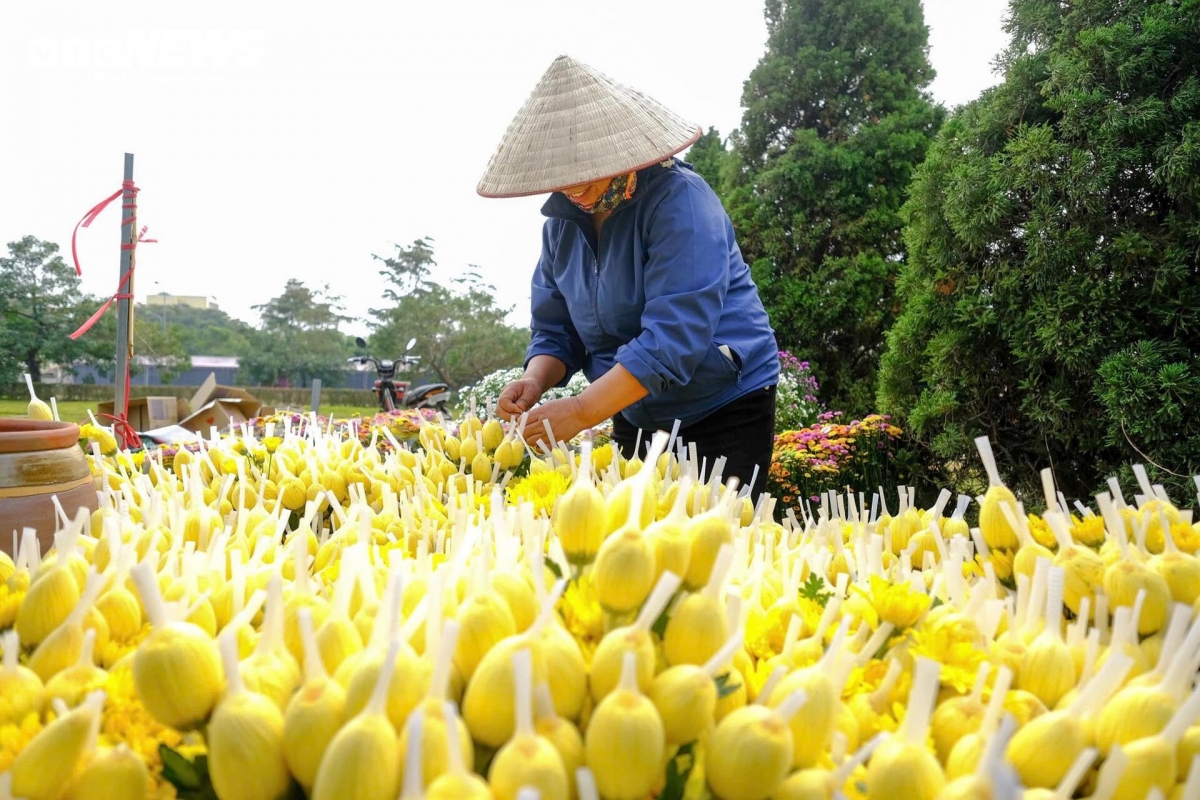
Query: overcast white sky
x=294, y=140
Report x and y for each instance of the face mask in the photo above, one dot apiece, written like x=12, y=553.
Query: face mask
x=619, y=190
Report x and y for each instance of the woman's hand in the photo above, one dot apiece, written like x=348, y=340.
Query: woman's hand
x=518, y=397
x=566, y=418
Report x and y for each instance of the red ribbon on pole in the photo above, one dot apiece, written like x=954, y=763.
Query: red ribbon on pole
x=87, y=220
x=120, y=420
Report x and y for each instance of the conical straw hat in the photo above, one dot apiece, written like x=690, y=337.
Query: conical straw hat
x=578, y=126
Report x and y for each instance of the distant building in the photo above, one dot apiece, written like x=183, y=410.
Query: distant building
x=189, y=300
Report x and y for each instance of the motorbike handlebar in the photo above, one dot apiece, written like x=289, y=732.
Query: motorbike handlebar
x=373, y=360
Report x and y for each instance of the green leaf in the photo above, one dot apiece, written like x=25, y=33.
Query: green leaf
x=814, y=589
x=483, y=758
x=724, y=685
x=190, y=778
x=177, y=770
x=678, y=770
x=554, y=567
x=660, y=625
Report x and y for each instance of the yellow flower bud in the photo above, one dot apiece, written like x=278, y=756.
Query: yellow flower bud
x=245, y=738
x=51, y=760
x=117, y=773
x=174, y=655
x=527, y=759
x=625, y=739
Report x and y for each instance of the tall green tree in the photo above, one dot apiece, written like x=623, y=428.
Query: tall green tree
x=164, y=347
x=298, y=338
x=710, y=158
x=836, y=118
x=1052, y=293
x=41, y=304
x=201, y=331
x=462, y=335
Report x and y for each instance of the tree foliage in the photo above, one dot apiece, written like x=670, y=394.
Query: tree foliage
x=836, y=118
x=201, y=331
x=462, y=335
x=709, y=157
x=40, y=306
x=165, y=347
x=298, y=339
x=1052, y=293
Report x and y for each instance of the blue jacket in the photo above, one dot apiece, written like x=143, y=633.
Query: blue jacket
x=660, y=292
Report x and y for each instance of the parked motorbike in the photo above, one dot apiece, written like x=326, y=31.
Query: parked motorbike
x=393, y=394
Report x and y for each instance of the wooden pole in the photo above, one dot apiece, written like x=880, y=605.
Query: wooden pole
x=316, y=396
x=125, y=305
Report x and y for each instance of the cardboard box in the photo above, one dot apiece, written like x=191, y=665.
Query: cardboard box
x=219, y=406
x=220, y=413
x=148, y=413
x=210, y=390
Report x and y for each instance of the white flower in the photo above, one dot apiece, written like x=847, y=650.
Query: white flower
x=489, y=388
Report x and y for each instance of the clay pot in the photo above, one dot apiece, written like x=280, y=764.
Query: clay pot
x=38, y=460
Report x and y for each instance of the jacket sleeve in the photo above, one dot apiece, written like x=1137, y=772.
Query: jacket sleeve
x=685, y=278
x=553, y=333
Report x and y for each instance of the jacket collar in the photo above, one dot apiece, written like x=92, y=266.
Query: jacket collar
x=557, y=206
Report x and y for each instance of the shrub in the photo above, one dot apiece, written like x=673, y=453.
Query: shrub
x=1052, y=293
x=834, y=455
x=796, y=403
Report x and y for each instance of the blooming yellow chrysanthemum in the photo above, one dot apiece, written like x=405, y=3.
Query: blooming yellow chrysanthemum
x=10, y=603
x=114, y=650
x=1088, y=531
x=898, y=604
x=766, y=630
x=1002, y=562
x=1040, y=530
x=582, y=615
x=955, y=643
x=14, y=737
x=601, y=458
x=126, y=720
x=542, y=489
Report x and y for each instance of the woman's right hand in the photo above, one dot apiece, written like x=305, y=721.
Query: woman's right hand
x=518, y=397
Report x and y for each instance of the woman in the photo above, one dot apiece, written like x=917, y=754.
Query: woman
x=640, y=283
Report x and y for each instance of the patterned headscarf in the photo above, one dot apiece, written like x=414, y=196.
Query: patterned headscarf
x=619, y=189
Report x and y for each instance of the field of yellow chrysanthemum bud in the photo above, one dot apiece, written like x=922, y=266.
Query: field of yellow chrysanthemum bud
x=332, y=613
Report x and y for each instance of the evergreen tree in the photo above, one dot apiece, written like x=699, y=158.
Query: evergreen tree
x=1052, y=293
x=708, y=157
x=836, y=118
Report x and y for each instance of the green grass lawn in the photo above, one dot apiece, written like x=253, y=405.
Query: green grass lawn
x=68, y=411
x=76, y=411
x=347, y=412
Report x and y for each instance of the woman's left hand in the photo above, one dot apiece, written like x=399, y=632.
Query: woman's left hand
x=565, y=417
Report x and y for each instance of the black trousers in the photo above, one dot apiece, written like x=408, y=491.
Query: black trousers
x=742, y=431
